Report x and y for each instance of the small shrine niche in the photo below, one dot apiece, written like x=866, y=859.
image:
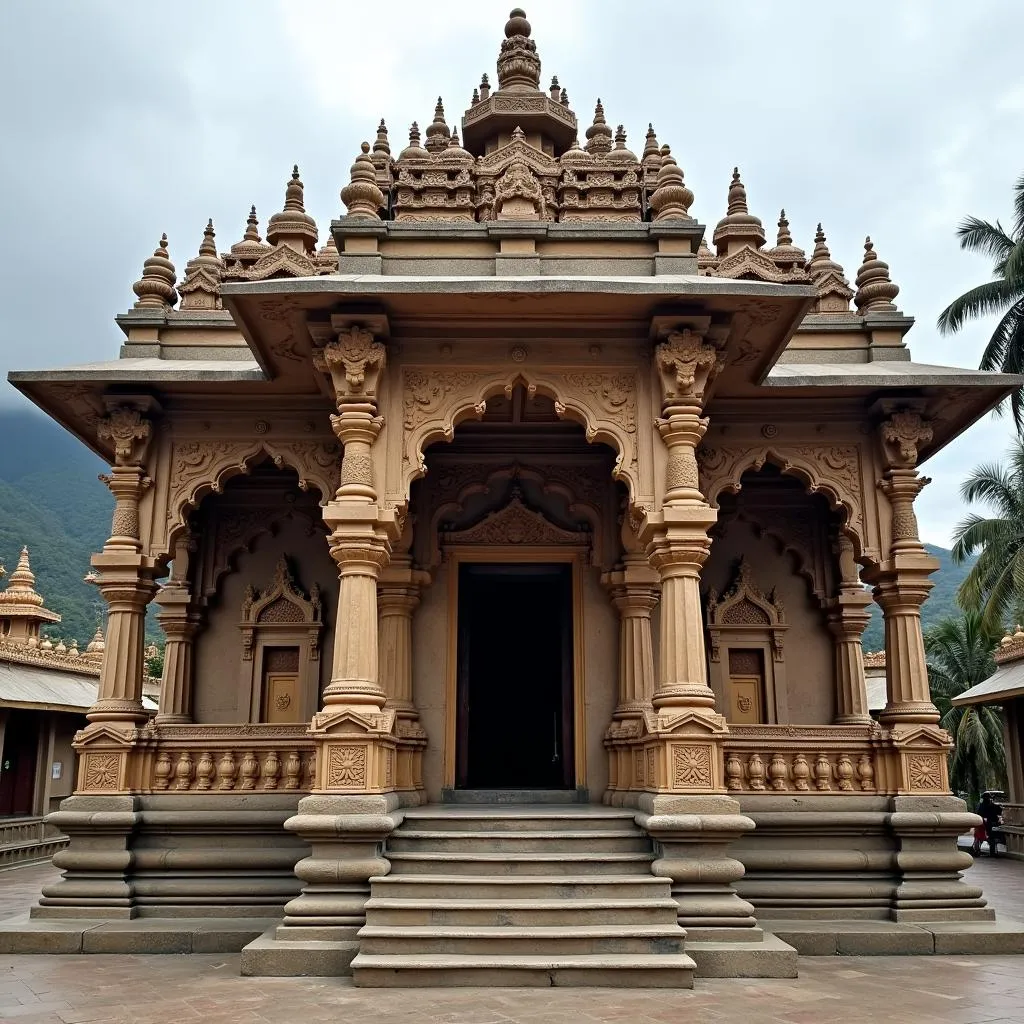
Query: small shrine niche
x=746, y=653
x=280, y=629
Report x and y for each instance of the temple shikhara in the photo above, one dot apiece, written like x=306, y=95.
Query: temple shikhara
x=513, y=537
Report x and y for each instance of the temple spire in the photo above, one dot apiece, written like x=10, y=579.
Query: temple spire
x=599, y=134
x=738, y=227
x=875, y=289
x=518, y=63
x=381, y=144
x=21, y=584
x=438, y=132
x=414, y=150
x=784, y=253
x=200, y=286
x=362, y=196
x=293, y=226
x=155, y=288
x=671, y=197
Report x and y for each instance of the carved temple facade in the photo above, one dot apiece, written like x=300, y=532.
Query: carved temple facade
x=523, y=480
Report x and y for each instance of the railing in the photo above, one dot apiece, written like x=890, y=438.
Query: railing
x=801, y=759
x=28, y=839
x=228, y=759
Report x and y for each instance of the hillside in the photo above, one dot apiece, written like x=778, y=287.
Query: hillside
x=51, y=500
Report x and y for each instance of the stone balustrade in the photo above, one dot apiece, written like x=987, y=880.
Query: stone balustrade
x=228, y=759
x=804, y=759
x=28, y=839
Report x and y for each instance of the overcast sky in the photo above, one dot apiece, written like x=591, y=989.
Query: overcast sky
x=121, y=120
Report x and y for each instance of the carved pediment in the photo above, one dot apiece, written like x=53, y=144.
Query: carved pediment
x=745, y=610
x=515, y=524
x=281, y=608
x=283, y=261
x=750, y=262
x=518, y=150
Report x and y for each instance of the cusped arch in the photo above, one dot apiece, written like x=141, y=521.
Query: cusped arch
x=200, y=468
x=832, y=471
x=603, y=402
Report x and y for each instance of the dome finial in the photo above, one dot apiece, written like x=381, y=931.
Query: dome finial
x=738, y=228
x=438, y=132
x=518, y=63
x=362, y=196
x=875, y=289
x=155, y=288
x=599, y=134
x=293, y=226
x=200, y=285
x=671, y=197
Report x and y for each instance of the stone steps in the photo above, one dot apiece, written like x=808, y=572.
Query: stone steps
x=514, y=895
x=623, y=970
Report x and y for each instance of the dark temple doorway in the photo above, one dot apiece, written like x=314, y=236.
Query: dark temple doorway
x=515, y=677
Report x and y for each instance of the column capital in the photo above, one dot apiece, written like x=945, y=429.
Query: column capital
x=687, y=363
x=351, y=355
x=902, y=434
x=129, y=430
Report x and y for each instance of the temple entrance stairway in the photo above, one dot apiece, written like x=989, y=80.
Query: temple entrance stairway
x=521, y=895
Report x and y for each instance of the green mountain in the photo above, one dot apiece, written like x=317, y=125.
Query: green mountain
x=51, y=500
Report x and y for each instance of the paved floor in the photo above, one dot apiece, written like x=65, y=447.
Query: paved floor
x=208, y=989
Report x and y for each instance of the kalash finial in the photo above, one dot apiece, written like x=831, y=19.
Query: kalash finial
x=381, y=144
x=21, y=586
x=737, y=194
x=362, y=196
x=738, y=228
x=785, y=253
x=438, y=132
x=671, y=197
x=200, y=286
x=599, y=134
x=518, y=63
x=875, y=289
x=414, y=150
x=155, y=288
x=293, y=226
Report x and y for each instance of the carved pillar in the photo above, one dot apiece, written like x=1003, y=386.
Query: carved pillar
x=847, y=619
x=125, y=575
x=180, y=621
x=901, y=582
x=398, y=596
x=677, y=537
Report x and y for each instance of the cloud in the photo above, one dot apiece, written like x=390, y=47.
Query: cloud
x=123, y=122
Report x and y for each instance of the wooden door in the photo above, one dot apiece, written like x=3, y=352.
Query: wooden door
x=746, y=687
x=281, y=696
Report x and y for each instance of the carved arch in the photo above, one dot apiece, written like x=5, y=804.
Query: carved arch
x=833, y=471
x=199, y=468
x=605, y=402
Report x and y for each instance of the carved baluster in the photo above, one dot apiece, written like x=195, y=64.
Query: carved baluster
x=292, y=770
x=822, y=773
x=204, y=771
x=309, y=771
x=183, y=771
x=271, y=770
x=226, y=771
x=755, y=771
x=844, y=772
x=801, y=773
x=778, y=772
x=866, y=773
x=250, y=770
x=162, y=771
x=733, y=772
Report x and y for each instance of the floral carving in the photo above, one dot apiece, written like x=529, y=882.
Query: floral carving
x=515, y=524
x=346, y=767
x=903, y=434
x=615, y=394
x=102, y=771
x=691, y=767
x=354, y=360
x=925, y=771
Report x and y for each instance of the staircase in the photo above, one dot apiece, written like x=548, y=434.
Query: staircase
x=521, y=895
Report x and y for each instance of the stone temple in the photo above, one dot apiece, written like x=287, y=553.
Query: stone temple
x=513, y=549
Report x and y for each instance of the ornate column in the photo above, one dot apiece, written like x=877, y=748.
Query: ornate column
x=901, y=582
x=347, y=817
x=689, y=816
x=847, y=619
x=125, y=575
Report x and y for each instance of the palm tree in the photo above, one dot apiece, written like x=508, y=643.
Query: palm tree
x=1002, y=296
x=959, y=654
x=995, y=584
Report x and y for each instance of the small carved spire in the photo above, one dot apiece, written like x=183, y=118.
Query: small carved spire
x=621, y=154
x=485, y=86
x=599, y=134
x=381, y=144
x=455, y=150
x=671, y=197
x=834, y=291
x=821, y=261
x=707, y=261
x=518, y=135
x=414, y=150
x=785, y=254
x=476, y=97
x=362, y=196
x=438, y=132
x=155, y=288
x=564, y=97
x=21, y=584
x=293, y=226
x=875, y=289
x=651, y=147
x=327, y=256
x=553, y=90
x=738, y=227
x=518, y=63
x=251, y=247
x=200, y=287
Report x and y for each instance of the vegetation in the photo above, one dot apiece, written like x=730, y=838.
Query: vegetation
x=994, y=585
x=959, y=654
x=1002, y=296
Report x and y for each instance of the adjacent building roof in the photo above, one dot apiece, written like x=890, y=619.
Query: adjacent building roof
x=49, y=689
